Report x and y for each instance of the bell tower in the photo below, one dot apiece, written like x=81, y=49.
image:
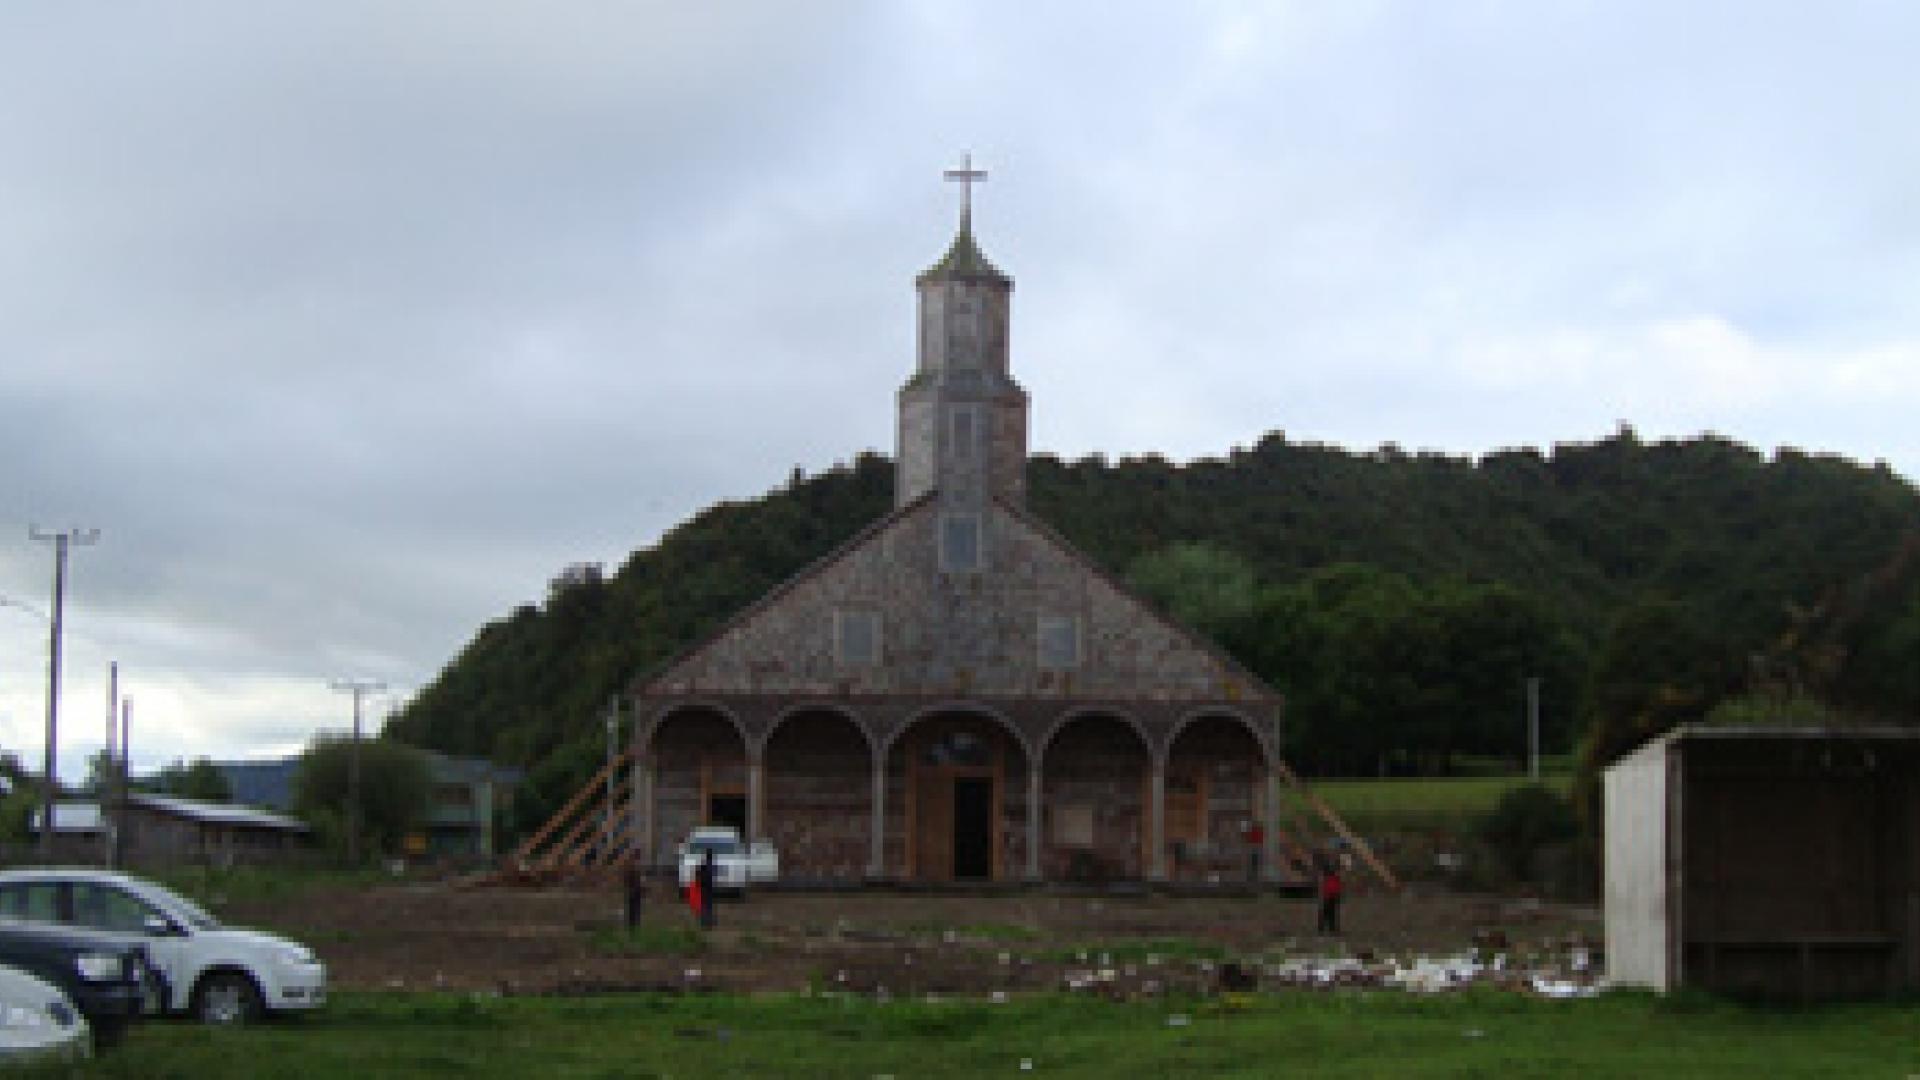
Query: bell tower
x=963, y=420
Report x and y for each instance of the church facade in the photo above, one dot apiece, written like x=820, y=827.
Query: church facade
x=956, y=694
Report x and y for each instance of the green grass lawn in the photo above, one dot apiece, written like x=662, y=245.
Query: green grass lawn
x=1451, y=803
x=365, y=1036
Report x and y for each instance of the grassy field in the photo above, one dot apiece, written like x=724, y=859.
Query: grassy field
x=1451, y=803
x=379, y=1035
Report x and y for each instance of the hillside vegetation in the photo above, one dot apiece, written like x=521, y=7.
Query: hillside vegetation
x=1400, y=601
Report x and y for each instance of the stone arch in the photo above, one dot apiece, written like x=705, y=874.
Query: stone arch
x=1216, y=765
x=817, y=763
x=681, y=709
x=1260, y=735
x=1095, y=772
x=696, y=758
x=956, y=707
x=956, y=777
x=1045, y=742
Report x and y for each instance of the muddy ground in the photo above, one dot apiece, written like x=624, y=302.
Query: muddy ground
x=566, y=939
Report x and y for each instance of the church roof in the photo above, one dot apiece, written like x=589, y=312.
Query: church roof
x=964, y=261
x=1247, y=686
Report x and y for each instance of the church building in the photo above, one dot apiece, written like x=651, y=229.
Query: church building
x=956, y=694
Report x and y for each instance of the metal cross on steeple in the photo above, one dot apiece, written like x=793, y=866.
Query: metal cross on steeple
x=966, y=174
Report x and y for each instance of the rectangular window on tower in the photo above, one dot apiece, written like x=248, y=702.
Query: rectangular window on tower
x=960, y=543
x=1059, y=641
x=856, y=638
x=963, y=432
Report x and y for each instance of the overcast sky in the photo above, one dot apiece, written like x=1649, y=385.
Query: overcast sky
x=350, y=324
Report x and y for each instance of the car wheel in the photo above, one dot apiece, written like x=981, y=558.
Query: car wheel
x=228, y=999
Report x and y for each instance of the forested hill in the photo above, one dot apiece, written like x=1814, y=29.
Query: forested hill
x=1398, y=599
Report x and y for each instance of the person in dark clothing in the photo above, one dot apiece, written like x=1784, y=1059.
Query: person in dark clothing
x=635, y=881
x=1330, y=889
x=705, y=877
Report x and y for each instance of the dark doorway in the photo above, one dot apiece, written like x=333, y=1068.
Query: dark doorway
x=728, y=810
x=972, y=827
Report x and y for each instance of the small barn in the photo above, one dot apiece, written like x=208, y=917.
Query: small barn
x=1779, y=862
x=160, y=830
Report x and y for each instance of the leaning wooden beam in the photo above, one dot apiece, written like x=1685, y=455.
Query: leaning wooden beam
x=614, y=850
x=1293, y=822
x=575, y=853
x=1296, y=852
x=1333, y=820
x=593, y=786
x=584, y=826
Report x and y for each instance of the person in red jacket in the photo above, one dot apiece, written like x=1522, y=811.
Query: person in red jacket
x=1330, y=889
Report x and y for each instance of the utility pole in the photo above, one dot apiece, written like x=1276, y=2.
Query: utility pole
x=125, y=778
x=113, y=718
x=1533, y=727
x=61, y=541
x=359, y=688
x=108, y=773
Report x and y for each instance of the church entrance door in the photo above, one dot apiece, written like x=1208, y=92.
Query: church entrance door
x=728, y=810
x=972, y=828
x=954, y=801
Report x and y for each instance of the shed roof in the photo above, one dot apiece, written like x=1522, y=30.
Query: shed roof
x=1729, y=733
x=217, y=813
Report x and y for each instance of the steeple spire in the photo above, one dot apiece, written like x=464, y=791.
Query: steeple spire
x=964, y=259
x=966, y=175
x=963, y=419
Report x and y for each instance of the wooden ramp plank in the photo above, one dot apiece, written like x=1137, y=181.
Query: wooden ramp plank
x=1334, y=822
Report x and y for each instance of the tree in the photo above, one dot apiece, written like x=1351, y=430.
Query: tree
x=103, y=772
x=20, y=799
x=1657, y=668
x=1526, y=819
x=1205, y=586
x=201, y=780
x=395, y=790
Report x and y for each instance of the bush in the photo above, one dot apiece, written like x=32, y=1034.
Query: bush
x=1525, y=821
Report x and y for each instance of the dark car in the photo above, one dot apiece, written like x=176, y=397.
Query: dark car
x=108, y=980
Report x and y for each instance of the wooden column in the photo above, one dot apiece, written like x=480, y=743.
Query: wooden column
x=1033, y=819
x=877, y=858
x=640, y=807
x=1157, y=820
x=1270, y=828
x=756, y=795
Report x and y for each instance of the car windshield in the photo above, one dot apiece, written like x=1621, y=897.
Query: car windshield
x=719, y=845
x=195, y=915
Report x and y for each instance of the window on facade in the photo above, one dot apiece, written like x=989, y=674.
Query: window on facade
x=963, y=432
x=1073, y=825
x=958, y=749
x=1059, y=642
x=960, y=543
x=856, y=637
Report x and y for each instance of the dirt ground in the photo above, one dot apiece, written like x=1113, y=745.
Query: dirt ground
x=520, y=940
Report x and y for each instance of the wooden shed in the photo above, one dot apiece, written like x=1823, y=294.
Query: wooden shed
x=1779, y=862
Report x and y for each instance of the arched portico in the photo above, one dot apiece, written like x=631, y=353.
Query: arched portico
x=1095, y=769
x=951, y=784
x=1215, y=802
x=692, y=769
x=817, y=800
